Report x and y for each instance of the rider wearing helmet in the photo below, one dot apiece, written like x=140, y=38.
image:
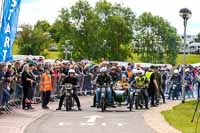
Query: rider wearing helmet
x=74, y=81
x=141, y=83
x=102, y=79
x=176, y=77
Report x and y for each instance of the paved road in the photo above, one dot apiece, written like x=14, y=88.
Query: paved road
x=118, y=120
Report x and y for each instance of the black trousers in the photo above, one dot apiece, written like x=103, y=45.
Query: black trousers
x=27, y=95
x=162, y=95
x=45, y=98
x=153, y=97
x=94, y=100
x=74, y=95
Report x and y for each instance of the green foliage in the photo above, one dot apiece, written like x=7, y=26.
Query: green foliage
x=155, y=38
x=109, y=31
x=33, y=41
x=180, y=117
x=198, y=38
x=95, y=33
x=190, y=59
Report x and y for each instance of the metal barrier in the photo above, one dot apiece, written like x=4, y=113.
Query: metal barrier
x=1, y=93
x=16, y=92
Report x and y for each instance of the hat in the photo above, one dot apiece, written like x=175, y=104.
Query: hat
x=113, y=68
x=176, y=71
x=187, y=70
x=31, y=64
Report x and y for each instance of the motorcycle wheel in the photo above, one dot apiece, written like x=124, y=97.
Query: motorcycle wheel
x=136, y=102
x=103, y=105
x=131, y=103
x=68, y=103
x=173, y=95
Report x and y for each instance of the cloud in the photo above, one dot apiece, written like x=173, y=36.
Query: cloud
x=169, y=9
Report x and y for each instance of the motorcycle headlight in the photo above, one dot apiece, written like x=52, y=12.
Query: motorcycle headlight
x=103, y=89
x=174, y=85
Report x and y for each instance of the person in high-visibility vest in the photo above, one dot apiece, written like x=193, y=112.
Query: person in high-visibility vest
x=148, y=74
x=45, y=88
x=141, y=83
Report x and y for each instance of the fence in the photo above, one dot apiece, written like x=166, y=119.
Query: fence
x=12, y=94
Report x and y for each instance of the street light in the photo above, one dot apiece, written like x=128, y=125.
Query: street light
x=185, y=14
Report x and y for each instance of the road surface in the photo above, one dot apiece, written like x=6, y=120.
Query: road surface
x=115, y=120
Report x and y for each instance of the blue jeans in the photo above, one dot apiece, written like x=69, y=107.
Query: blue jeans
x=109, y=95
x=6, y=96
x=19, y=91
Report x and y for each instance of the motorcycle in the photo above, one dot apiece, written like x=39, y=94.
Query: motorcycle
x=103, y=94
x=138, y=98
x=119, y=97
x=69, y=101
x=174, y=90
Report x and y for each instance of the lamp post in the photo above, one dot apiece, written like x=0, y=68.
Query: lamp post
x=66, y=48
x=185, y=14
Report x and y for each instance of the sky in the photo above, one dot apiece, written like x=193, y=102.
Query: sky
x=33, y=10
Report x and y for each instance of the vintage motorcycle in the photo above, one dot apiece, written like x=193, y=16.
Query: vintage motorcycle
x=174, y=90
x=119, y=96
x=69, y=101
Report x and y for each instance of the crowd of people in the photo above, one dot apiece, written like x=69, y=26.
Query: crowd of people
x=29, y=79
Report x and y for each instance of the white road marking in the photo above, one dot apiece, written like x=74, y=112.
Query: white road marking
x=61, y=124
x=103, y=124
x=92, y=118
x=87, y=124
x=64, y=124
x=121, y=124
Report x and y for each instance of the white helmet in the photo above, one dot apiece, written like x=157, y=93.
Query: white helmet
x=71, y=71
x=140, y=72
x=103, y=69
x=134, y=71
x=176, y=71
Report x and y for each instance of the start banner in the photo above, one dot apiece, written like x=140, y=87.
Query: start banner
x=10, y=14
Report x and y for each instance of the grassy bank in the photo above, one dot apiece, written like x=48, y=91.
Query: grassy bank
x=180, y=117
x=189, y=58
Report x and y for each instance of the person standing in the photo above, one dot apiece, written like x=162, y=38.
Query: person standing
x=27, y=83
x=153, y=88
x=45, y=88
x=159, y=82
x=2, y=76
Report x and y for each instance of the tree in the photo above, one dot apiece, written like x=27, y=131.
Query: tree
x=86, y=24
x=104, y=31
x=33, y=41
x=116, y=29
x=155, y=39
x=198, y=38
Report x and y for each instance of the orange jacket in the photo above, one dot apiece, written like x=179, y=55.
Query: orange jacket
x=45, y=83
x=129, y=74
